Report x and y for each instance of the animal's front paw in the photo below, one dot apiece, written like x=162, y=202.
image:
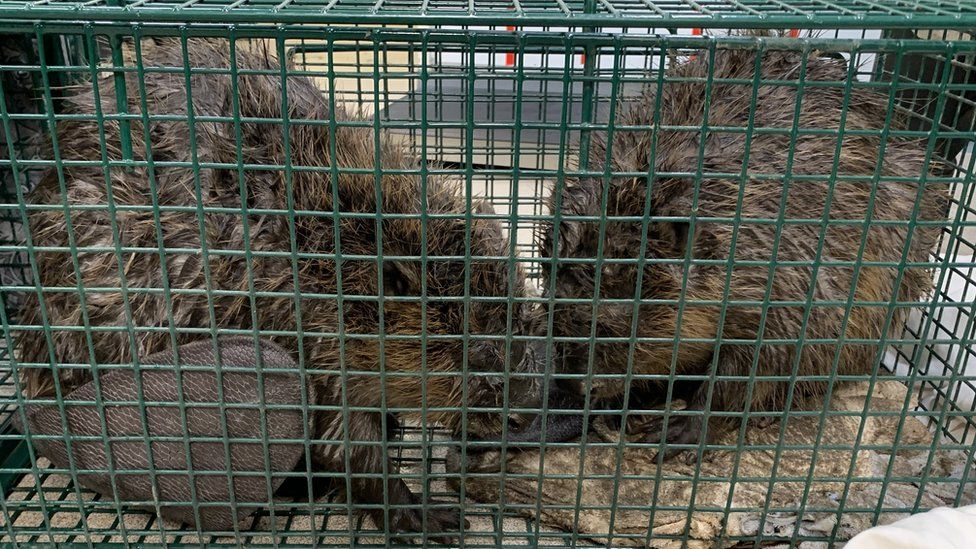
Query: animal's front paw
x=409, y=522
x=681, y=430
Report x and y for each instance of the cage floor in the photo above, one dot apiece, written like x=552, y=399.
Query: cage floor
x=48, y=509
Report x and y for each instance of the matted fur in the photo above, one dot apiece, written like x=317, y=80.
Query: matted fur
x=129, y=290
x=701, y=287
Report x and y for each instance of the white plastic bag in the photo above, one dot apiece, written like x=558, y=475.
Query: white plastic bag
x=942, y=528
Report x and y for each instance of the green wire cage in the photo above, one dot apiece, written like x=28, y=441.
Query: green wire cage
x=443, y=212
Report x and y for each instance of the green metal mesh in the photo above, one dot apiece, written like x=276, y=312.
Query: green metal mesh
x=505, y=113
x=631, y=13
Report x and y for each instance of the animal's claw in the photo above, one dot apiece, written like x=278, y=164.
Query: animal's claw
x=682, y=430
x=409, y=522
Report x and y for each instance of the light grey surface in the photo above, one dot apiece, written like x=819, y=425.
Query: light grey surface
x=495, y=103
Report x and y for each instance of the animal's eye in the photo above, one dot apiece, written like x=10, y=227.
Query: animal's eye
x=394, y=281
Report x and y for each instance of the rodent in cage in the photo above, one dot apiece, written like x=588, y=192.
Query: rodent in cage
x=176, y=249
x=801, y=277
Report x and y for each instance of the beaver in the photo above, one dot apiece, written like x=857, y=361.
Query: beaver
x=228, y=220
x=747, y=273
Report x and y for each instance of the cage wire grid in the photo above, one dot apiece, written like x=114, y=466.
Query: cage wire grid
x=507, y=133
x=631, y=13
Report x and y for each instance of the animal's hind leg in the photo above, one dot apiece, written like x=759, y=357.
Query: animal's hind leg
x=406, y=510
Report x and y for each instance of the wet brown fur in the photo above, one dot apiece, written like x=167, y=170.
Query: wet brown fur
x=188, y=306
x=683, y=104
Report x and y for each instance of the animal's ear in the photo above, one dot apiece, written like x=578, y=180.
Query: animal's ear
x=399, y=278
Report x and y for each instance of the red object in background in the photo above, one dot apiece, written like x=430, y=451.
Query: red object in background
x=695, y=32
x=510, y=56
